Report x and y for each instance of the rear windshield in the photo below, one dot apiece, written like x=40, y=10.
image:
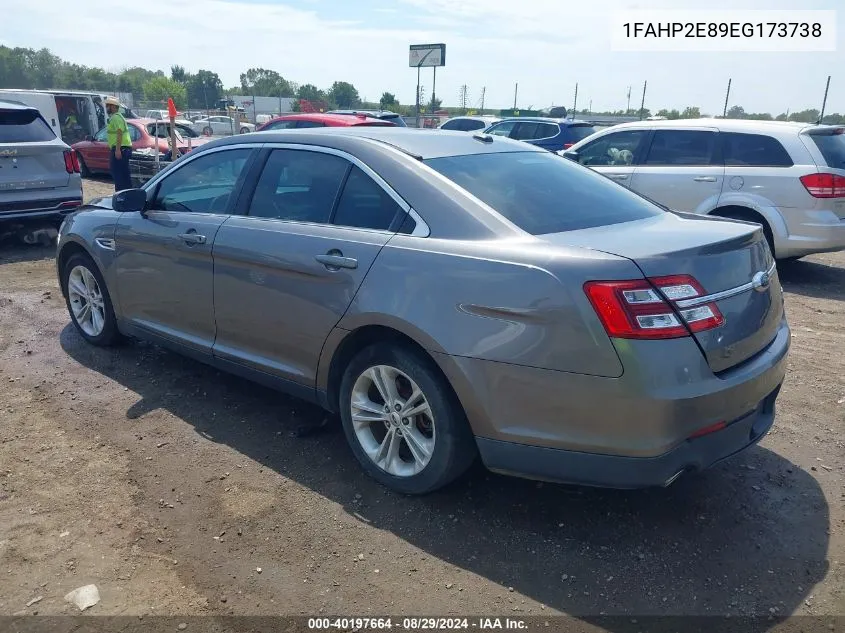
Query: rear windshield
x=832, y=147
x=576, y=133
x=23, y=126
x=541, y=192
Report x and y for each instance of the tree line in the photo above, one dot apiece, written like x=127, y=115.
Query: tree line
x=28, y=68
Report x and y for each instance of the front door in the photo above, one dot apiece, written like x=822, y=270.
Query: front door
x=682, y=170
x=615, y=155
x=164, y=264
x=286, y=272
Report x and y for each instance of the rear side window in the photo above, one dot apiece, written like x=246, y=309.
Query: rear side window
x=542, y=193
x=832, y=147
x=364, y=204
x=532, y=130
x=502, y=129
x=298, y=186
x=681, y=148
x=575, y=133
x=302, y=124
x=753, y=150
x=23, y=126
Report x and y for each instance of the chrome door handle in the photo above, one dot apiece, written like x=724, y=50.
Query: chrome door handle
x=335, y=262
x=192, y=238
x=618, y=176
x=705, y=179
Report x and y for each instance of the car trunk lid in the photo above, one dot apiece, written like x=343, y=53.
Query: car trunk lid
x=729, y=259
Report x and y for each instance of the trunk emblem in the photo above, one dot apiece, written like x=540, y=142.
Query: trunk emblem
x=760, y=281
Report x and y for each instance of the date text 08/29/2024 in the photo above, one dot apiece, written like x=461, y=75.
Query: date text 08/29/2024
x=415, y=623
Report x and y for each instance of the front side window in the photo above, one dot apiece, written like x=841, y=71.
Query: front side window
x=102, y=136
x=619, y=148
x=364, y=204
x=681, y=148
x=203, y=185
x=298, y=186
x=502, y=129
x=280, y=125
x=541, y=193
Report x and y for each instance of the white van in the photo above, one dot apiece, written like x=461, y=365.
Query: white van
x=74, y=115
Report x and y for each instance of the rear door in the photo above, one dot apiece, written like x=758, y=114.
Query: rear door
x=286, y=272
x=682, y=170
x=617, y=154
x=31, y=157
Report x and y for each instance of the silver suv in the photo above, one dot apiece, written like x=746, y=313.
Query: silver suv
x=39, y=173
x=789, y=177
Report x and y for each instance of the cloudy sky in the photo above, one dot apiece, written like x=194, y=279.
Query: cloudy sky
x=545, y=45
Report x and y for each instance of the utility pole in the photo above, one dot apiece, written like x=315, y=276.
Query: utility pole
x=575, y=103
x=628, y=109
x=433, y=84
x=462, y=99
x=515, y=91
x=727, y=96
x=824, y=101
x=590, y=110
x=642, y=103
x=483, y=92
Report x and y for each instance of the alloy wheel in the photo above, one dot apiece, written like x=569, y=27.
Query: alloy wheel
x=86, y=301
x=392, y=420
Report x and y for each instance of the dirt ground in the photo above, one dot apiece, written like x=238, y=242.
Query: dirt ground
x=177, y=489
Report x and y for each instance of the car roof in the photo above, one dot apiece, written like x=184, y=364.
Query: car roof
x=378, y=112
x=728, y=125
x=422, y=144
x=546, y=119
x=338, y=120
x=15, y=105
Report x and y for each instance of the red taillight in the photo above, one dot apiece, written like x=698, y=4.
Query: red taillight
x=74, y=157
x=824, y=185
x=69, y=161
x=568, y=145
x=646, y=308
x=707, y=430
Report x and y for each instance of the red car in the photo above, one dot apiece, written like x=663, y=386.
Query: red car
x=288, y=121
x=94, y=152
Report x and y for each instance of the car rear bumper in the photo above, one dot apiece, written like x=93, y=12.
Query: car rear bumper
x=817, y=232
x=630, y=431
x=615, y=471
x=40, y=209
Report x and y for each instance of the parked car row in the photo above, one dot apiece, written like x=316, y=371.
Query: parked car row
x=451, y=297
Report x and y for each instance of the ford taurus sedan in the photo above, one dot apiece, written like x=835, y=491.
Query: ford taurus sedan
x=451, y=296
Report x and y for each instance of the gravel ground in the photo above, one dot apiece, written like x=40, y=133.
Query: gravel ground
x=180, y=490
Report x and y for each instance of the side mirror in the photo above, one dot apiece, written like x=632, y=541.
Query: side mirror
x=573, y=156
x=89, y=138
x=130, y=201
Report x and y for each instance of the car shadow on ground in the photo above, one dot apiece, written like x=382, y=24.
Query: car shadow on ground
x=749, y=537
x=813, y=279
x=14, y=249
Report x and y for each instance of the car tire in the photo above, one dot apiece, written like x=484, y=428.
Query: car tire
x=443, y=444
x=207, y=131
x=102, y=331
x=244, y=130
x=83, y=168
